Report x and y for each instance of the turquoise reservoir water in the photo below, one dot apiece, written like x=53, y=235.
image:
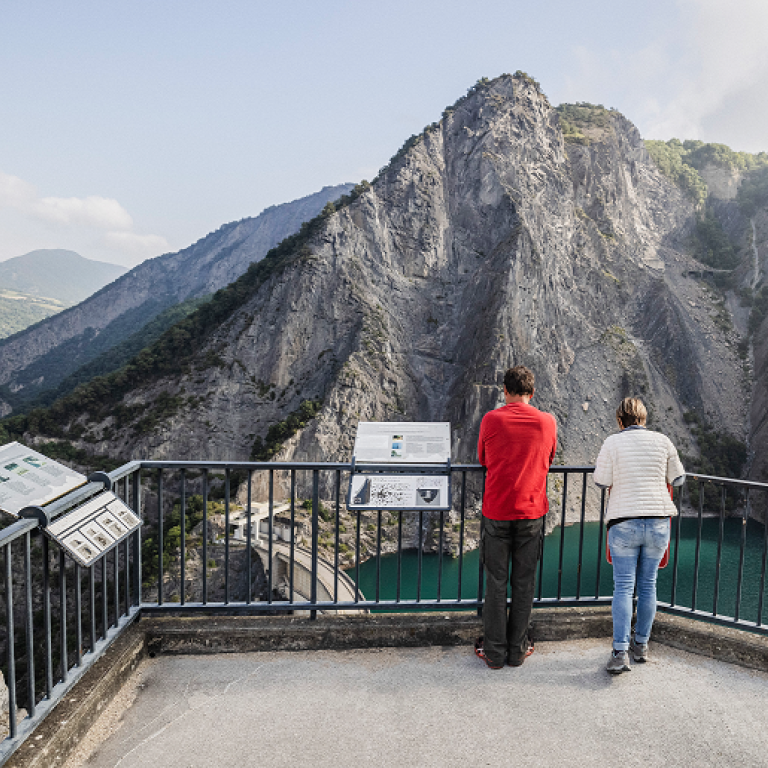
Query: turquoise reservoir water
x=449, y=570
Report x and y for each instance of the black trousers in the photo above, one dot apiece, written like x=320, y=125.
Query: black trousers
x=505, y=543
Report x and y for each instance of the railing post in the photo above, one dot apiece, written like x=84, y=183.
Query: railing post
x=226, y=535
x=160, y=541
x=136, y=482
x=9, y=639
x=183, y=526
x=47, y=618
x=249, y=539
x=63, y=614
x=30, y=627
x=315, y=531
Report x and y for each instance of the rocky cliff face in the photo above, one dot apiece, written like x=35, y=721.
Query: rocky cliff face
x=40, y=357
x=489, y=242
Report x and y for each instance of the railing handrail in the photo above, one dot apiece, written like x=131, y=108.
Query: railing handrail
x=132, y=466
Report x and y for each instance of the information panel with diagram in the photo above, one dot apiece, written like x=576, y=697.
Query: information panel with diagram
x=29, y=479
x=401, y=443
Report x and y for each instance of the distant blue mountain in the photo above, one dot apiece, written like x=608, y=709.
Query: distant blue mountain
x=55, y=273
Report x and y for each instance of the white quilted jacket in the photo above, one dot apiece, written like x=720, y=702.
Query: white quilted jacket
x=636, y=464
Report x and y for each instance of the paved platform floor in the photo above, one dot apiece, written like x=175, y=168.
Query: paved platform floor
x=433, y=707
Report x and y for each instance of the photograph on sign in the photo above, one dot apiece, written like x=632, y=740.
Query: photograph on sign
x=412, y=442
x=126, y=517
x=83, y=549
x=399, y=491
x=27, y=478
x=97, y=536
x=111, y=524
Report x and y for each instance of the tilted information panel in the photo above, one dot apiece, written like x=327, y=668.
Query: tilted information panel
x=94, y=527
x=27, y=479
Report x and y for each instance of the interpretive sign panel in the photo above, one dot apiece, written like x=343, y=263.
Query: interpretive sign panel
x=403, y=442
x=90, y=529
x=27, y=478
x=399, y=492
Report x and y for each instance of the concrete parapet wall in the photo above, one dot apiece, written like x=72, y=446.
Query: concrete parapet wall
x=64, y=728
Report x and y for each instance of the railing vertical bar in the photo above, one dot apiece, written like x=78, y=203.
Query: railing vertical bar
x=249, y=540
x=183, y=542
x=28, y=614
x=461, y=531
x=600, y=542
x=678, y=527
x=63, y=615
x=127, y=575
x=540, y=585
x=104, y=596
x=270, y=533
x=47, y=629
x=79, y=614
x=742, y=549
x=336, y=538
x=115, y=582
x=562, y=538
x=160, y=542
x=720, y=531
x=357, y=559
x=378, y=555
x=293, y=533
x=480, y=566
x=762, y=569
x=440, y=554
x=315, y=536
x=136, y=498
x=694, y=592
x=10, y=641
x=92, y=605
x=581, y=534
x=399, y=555
x=420, y=556
x=226, y=536
x=205, y=537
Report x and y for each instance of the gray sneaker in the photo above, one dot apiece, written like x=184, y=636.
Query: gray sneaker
x=639, y=651
x=618, y=663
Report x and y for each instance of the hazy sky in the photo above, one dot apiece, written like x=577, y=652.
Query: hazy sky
x=131, y=129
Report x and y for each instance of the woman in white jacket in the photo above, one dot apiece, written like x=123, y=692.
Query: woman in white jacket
x=636, y=464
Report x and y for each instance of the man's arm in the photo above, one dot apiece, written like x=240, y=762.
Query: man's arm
x=481, y=443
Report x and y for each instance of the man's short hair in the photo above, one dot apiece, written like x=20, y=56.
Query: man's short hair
x=519, y=380
x=631, y=411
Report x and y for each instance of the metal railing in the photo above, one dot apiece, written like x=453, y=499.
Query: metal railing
x=202, y=549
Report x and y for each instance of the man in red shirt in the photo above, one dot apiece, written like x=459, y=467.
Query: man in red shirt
x=517, y=445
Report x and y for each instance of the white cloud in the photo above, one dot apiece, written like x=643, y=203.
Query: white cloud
x=681, y=82
x=80, y=216
x=142, y=246
x=96, y=212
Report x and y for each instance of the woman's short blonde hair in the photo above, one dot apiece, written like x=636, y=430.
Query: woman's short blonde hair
x=631, y=411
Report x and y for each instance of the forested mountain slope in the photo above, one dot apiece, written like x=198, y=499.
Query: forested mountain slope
x=36, y=361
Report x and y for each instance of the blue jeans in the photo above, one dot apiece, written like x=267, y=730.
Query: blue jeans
x=637, y=547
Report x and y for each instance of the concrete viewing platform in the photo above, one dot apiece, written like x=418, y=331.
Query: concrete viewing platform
x=432, y=706
x=407, y=690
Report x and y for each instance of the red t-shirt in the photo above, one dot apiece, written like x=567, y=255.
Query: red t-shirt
x=517, y=445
